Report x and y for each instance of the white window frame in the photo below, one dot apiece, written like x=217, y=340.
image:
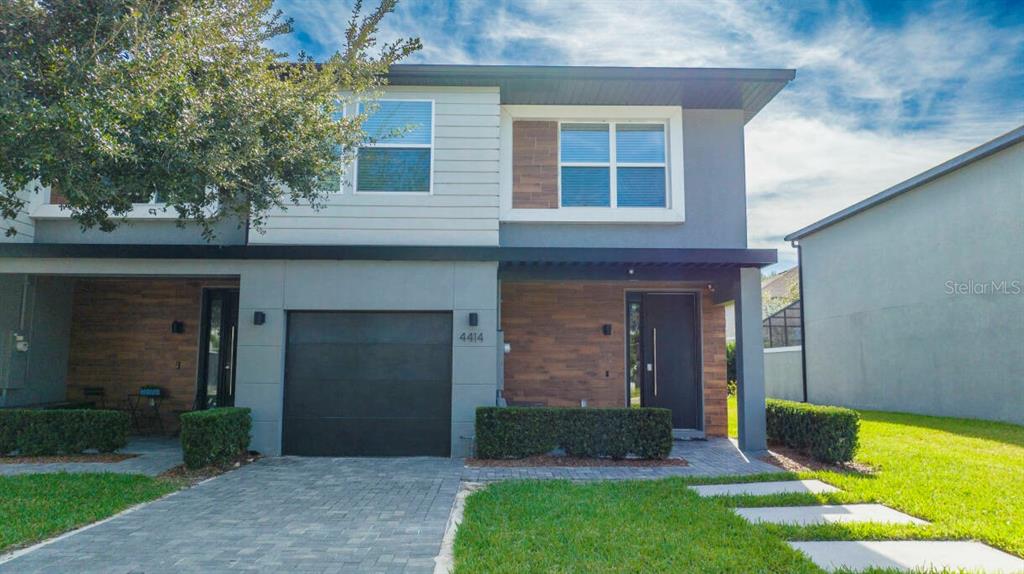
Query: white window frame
x=152, y=210
x=430, y=146
x=670, y=116
x=613, y=161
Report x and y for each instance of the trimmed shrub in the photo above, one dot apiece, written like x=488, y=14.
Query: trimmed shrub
x=33, y=432
x=829, y=434
x=214, y=436
x=518, y=432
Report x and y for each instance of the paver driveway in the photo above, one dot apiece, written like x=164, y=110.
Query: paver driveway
x=319, y=515
x=283, y=514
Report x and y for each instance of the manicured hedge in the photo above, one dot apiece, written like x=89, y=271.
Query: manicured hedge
x=35, y=432
x=829, y=434
x=214, y=436
x=517, y=432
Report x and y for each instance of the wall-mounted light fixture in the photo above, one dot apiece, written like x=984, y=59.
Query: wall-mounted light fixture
x=474, y=319
x=606, y=329
x=177, y=327
x=259, y=317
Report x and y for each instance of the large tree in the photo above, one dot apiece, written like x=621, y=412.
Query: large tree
x=113, y=102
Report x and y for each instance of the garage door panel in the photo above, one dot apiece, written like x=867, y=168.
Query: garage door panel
x=368, y=362
x=367, y=437
x=348, y=398
x=370, y=328
x=368, y=384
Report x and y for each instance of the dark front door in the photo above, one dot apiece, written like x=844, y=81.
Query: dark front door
x=368, y=384
x=670, y=361
x=216, y=382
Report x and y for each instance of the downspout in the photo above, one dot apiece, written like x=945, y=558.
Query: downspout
x=499, y=398
x=10, y=350
x=803, y=313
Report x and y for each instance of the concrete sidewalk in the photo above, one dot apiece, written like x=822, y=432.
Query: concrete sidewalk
x=156, y=454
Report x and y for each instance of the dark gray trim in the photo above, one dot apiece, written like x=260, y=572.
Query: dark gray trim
x=701, y=88
x=998, y=144
x=437, y=74
x=615, y=272
x=803, y=317
x=523, y=255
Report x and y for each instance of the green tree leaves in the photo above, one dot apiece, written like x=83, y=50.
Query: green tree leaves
x=115, y=102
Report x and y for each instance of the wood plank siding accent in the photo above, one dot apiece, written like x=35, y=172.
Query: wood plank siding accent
x=534, y=165
x=559, y=354
x=121, y=338
x=461, y=210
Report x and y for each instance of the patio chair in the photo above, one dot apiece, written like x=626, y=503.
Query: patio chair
x=95, y=395
x=178, y=412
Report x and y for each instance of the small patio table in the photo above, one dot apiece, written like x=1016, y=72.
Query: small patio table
x=144, y=408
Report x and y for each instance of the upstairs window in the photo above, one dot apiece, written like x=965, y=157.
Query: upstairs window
x=399, y=155
x=612, y=164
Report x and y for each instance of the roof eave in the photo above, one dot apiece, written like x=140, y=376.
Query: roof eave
x=404, y=72
x=747, y=89
x=984, y=150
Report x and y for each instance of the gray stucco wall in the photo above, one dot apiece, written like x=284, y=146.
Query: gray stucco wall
x=276, y=287
x=39, y=374
x=715, y=197
x=783, y=373
x=883, y=330
x=136, y=231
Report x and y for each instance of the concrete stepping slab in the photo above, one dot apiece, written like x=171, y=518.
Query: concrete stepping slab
x=764, y=488
x=910, y=555
x=804, y=515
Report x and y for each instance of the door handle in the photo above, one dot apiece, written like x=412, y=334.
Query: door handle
x=655, y=361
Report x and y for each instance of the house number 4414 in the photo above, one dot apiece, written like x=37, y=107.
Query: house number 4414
x=471, y=337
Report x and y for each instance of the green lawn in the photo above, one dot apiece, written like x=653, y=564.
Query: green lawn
x=37, y=506
x=636, y=526
x=964, y=476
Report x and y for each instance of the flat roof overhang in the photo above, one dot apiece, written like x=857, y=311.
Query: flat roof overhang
x=747, y=89
x=506, y=256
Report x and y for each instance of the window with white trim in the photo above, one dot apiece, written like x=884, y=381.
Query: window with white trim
x=398, y=157
x=613, y=164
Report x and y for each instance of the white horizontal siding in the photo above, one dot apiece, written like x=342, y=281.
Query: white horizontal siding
x=373, y=237
x=462, y=210
x=466, y=143
x=386, y=223
x=452, y=200
x=375, y=212
x=24, y=227
x=466, y=154
x=23, y=224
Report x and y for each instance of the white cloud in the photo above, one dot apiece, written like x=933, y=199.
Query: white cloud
x=872, y=105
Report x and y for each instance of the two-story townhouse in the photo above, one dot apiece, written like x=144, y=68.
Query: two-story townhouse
x=561, y=236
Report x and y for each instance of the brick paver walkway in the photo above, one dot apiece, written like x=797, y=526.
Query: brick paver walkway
x=155, y=455
x=314, y=515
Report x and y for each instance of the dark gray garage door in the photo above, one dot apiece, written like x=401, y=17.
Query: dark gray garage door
x=368, y=384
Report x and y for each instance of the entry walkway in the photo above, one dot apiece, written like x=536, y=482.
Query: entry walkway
x=156, y=454
x=856, y=555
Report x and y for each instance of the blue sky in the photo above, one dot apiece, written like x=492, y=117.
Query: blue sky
x=884, y=89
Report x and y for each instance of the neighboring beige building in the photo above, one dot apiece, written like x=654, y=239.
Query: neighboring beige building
x=913, y=299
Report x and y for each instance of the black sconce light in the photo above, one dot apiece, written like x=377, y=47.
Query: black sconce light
x=474, y=319
x=259, y=317
x=177, y=327
x=606, y=329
